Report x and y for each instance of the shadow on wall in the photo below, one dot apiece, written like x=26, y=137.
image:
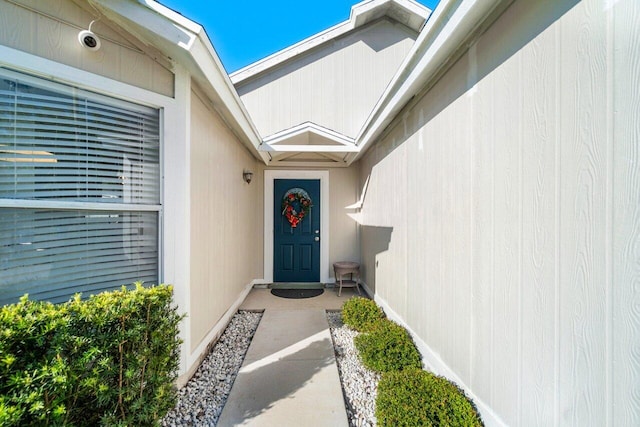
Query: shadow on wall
x=375, y=240
x=517, y=34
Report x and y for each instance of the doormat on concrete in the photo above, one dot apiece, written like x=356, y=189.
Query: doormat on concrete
x=297, y=293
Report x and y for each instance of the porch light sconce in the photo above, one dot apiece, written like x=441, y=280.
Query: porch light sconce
x=247, y=176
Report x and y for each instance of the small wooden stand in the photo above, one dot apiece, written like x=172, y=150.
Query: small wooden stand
x=343, y=268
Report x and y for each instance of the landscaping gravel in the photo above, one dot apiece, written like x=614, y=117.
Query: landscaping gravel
x=201, y=400
x=359, y=384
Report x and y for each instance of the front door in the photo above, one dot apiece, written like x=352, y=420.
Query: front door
x=296, y=251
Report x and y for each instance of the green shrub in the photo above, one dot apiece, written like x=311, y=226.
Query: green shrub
x=109, y=360
x=388, y=347
x=361, y=314
x=419, y=398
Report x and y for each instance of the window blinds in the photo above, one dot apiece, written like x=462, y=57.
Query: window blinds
x=74, y=151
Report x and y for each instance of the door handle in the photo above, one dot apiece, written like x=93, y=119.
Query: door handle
x=317, y=239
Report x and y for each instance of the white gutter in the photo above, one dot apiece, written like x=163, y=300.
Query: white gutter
x=448, y=28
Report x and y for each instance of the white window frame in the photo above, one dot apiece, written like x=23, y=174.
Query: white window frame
x=26, y=65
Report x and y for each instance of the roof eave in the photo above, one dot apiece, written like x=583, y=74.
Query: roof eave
x=452, y=26
x=186, y=42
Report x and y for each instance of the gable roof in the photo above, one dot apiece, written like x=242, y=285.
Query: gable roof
x=407, y=12
x=446, y=35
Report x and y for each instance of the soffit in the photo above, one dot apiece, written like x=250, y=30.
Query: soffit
x=308, y=144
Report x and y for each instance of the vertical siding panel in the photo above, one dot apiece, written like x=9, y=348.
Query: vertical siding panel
x=434, y=147
x=555, y=214
x=335, y=85
x=417, y=208
x=52, y=34
x=17, y=26
x=52, y=39
x=484, y=141
x=539, y=228
x=460, y=257
x=583, y=195
x=626, y=215
x=507, y=247
x=219, y=232
x=447, y=258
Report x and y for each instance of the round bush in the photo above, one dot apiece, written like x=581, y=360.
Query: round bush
x=361, y=314
x=419, y=398
x=388, y=347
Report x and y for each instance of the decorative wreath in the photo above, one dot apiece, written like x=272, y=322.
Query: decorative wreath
x=296, y=205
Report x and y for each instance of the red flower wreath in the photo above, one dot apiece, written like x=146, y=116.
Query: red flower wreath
x=296, y=204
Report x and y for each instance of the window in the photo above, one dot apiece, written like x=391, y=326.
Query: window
x=79, y=190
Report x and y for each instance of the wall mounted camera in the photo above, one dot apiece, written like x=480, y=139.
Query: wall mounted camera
x=89, y=39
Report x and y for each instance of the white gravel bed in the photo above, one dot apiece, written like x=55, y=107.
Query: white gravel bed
x=201, y=400
x=359, y=385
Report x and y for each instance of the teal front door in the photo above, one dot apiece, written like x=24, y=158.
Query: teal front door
x=296, y=252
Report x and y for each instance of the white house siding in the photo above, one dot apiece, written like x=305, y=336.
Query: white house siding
x=226, y=220
x=335, y=86
x=52, y=32
x=344, y=242
x=504, y=211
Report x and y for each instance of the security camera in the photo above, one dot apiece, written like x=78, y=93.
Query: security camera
x=89, y=40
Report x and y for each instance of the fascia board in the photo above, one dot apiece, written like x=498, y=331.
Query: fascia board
x=362, y=12
x=309, y=148
x=311, y=128
x=291, y=51
x=211, y=67
x=149, y=18
x=187, y=41
x=448, y=28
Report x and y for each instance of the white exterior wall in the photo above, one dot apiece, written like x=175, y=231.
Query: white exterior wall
x=502, y=218
x=335, y=86
x=52, y=32
x=226, y=221
x=343, y=229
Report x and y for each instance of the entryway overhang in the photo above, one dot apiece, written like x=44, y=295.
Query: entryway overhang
x=308, y=144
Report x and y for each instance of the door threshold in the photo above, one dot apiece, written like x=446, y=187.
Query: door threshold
x=292, y=285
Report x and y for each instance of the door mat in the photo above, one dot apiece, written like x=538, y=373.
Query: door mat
x=297, y=293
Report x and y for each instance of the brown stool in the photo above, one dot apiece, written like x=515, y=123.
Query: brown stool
x=343, y=268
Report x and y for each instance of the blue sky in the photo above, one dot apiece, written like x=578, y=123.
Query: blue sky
x=244, y=31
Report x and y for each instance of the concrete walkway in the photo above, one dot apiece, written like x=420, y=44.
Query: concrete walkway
x=289, y=376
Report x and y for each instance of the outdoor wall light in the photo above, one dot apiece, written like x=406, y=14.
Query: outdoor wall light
x=247, y=175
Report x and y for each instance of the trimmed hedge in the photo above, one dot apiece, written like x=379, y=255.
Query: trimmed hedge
x=361, y=314
x=108, y=360
x=388, y=347
x=420, y=398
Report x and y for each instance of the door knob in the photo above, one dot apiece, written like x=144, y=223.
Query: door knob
x=317, y=239
x=317, y=231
